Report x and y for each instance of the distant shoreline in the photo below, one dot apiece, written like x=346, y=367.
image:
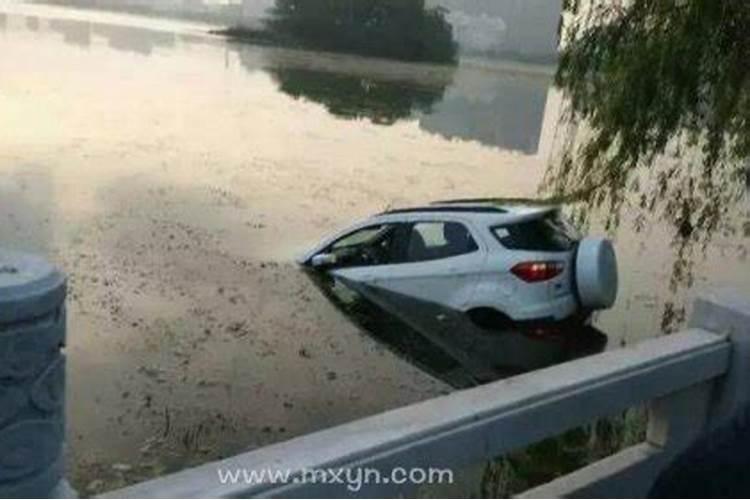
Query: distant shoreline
x=219, y=26
x=266, y=38
x=259, y=36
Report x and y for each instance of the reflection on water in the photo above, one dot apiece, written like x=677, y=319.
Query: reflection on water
x=357, y=97
x=76, y=33
x=32, y=23
x=126, y=38
x=447, y=344
x=139, y=40
x=505, y=112
x=502, y=110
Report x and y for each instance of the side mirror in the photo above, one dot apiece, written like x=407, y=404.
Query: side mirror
x=323, y=260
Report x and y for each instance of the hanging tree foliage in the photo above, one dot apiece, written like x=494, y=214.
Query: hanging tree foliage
x=658, y=96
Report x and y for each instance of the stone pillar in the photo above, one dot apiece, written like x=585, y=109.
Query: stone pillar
x=727, y=312
x=32, y=377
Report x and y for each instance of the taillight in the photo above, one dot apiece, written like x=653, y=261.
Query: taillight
x=534, y=272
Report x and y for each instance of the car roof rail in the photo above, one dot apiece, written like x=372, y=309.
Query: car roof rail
x=447, y=209
x=498, y=201
x=465, y=200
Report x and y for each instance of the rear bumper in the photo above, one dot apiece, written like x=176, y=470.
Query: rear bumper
x=556, y=309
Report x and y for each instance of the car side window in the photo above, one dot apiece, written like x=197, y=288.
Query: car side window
x=438, y=240
x=360, y=237
x=375, y=245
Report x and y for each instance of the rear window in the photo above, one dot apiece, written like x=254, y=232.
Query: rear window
x=547, y=234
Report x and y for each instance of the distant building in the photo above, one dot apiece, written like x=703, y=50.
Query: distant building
x=520, y=29
x=256, y=9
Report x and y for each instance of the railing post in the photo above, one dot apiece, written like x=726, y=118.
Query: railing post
x=676, y=420
x=32, y=377
x=727, y=313
x=674, y=423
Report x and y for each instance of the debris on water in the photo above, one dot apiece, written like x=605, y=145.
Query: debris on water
x=237, y=329
x=150, y=444
x=120, y=467
x=151, y=372
x=95, y=485
x=331, y=375
x=207, y=383
x=304, y=353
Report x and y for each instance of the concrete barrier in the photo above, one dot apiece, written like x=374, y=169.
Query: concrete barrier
x=32, y=377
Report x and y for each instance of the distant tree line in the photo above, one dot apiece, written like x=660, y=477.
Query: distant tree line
x=397, y=29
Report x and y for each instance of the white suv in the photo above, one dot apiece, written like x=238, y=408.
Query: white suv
x=497, y=262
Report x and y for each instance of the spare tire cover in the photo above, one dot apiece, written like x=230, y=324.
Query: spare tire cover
x=596, y=273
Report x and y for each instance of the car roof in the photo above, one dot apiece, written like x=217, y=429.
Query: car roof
x=485, y=213
x=509, y=205
x=492, y=210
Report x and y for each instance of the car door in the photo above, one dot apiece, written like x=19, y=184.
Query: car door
x=438, y=262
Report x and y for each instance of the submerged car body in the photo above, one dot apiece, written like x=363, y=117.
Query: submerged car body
x=425, y=334
x=496, y=262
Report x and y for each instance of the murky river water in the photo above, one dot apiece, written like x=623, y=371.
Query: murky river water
x=175, y=177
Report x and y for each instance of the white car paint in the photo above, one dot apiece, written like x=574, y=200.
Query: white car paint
x=480, y=279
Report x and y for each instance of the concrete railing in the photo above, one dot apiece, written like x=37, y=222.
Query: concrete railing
x=690, y=381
